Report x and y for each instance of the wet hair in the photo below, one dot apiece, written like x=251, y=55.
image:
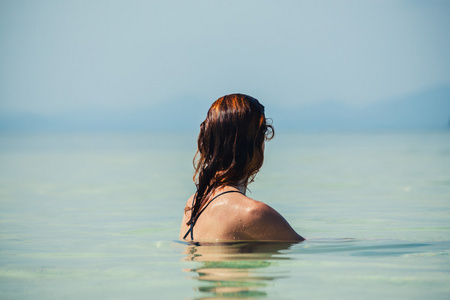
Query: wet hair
x=230, y=146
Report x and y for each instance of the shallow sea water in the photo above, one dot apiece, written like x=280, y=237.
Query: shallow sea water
x=97, y=216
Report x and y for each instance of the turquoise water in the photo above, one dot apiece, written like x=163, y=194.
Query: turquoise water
x=97, y=217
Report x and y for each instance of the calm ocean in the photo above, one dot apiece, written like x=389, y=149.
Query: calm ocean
x=97, y=216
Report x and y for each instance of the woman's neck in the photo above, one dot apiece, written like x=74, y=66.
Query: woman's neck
x=240, y=187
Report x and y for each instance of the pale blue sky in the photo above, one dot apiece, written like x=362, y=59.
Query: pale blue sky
x=58, y=56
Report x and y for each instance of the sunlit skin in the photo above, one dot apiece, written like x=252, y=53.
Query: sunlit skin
x=235, y=216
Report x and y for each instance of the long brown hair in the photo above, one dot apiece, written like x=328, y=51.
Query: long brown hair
x=230, y=146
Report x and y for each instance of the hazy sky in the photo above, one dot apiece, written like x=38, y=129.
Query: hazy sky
x=57, y=56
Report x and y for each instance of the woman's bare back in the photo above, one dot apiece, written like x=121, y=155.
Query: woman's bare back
x=234, y=216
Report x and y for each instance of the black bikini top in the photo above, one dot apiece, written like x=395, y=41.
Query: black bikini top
x=191, y=228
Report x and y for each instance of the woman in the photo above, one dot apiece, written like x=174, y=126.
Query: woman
x=230, y=153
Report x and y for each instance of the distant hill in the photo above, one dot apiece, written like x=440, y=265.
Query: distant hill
x=177, y=115
x=429, y=110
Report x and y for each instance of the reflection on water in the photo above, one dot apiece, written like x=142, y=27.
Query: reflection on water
x=248, y=270
x=238, y=270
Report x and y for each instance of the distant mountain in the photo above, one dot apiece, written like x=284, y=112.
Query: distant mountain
x=178, y=115
x=429, y=110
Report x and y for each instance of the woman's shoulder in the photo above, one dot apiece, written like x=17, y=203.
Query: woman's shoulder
x=257, y=211
x=262, y=222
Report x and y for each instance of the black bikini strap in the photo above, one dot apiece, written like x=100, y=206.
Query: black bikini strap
x=192, y=224
x=198, y=215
